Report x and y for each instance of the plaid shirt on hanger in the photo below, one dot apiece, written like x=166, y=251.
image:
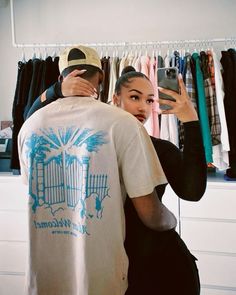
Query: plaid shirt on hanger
x=191, y=90
x=213, y=113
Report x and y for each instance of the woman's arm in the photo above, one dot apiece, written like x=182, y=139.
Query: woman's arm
x=72, y=85
x=48, y=96
x=186, y=171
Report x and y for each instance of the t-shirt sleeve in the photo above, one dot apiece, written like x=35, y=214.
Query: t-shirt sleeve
x=140, y=167
x=22, y=159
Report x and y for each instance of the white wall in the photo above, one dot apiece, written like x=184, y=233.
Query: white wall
x=77, y=21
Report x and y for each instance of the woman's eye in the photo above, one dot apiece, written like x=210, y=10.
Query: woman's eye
x=150, y=101
x=134, y=97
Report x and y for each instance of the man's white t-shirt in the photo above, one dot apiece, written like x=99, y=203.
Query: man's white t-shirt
x=79, y=158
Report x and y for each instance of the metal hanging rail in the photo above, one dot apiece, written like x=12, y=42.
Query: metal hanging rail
x=114, y=44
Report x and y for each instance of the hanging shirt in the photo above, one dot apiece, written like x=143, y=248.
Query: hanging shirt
x=113, y=77
x=105, y=61
x=169, y=122
x=228, y=61
x=169, y=128
x=213, y=113
x=130, y=59
x=24, y=75
x=145, y=69
x=79, y=167
x=202, y=108
x=190, y=88
x=123, y=63
x=155, y=105
x=220, y=153
x=136, y=63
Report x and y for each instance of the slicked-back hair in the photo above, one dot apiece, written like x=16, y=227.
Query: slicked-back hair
x=125, y=79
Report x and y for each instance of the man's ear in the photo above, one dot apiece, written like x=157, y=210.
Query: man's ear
x=101, y=76
x=60, y=78
x=116, y=100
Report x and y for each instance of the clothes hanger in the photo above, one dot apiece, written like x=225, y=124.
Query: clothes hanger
x=183, y=50
x=45, y=53
x=102, y=50
x=136, y=52
x=195, y=49
x=140, y=51
x=23, y=59
x=188, y=47
x=154, y=49
x=146, y=49
x=40, y=53
x=160, y=49
x=34, y=53
x=54, y=53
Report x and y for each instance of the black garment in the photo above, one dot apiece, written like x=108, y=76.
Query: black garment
x=160, y=62
x=51, y=73
x=228, y=61
x=52, y=94
x=35, y=85
x=33, y=78
x=105, y=61
x=24, y=76
x=166, y=267
x=183, y=168
x=159, y=262
x=204, y=65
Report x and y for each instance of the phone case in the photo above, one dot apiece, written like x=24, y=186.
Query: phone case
x=167, y=78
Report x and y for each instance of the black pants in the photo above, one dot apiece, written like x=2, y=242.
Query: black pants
x=159, y=263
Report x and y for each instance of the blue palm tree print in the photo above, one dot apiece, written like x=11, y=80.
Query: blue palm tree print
x=59, y=170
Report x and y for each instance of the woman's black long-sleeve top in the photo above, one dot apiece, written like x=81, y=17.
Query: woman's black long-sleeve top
x=160, y=262
x=185, y=171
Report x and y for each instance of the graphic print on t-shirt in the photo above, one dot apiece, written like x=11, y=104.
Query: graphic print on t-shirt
x=60, y=178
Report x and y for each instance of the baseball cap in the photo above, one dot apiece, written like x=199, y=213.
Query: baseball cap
x=79, y=55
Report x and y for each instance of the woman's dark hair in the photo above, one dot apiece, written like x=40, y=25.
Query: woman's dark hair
x=127, y=73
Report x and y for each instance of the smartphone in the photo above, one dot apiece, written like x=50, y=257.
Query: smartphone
x=167, y=78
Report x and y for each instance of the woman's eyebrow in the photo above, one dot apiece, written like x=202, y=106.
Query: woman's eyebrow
x=136, y=91
x=151, y=94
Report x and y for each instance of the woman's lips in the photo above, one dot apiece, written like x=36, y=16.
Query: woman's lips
x=141, y=118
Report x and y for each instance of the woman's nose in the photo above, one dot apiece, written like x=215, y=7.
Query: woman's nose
x=142, y=107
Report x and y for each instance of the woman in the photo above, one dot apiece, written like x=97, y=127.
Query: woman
x=160, y=262
x=164, y=264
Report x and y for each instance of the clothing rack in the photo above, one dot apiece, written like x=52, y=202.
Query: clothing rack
x=124, y=45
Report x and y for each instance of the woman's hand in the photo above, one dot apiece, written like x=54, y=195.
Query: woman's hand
x=183, y=107
x=73, y=85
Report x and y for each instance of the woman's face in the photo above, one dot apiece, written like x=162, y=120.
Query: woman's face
x=136, y=97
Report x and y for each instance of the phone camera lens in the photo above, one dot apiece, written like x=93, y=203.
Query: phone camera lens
x=170, y=73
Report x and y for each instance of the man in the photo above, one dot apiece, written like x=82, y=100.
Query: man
x=79, y=158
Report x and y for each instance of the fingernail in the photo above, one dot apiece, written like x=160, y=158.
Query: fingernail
x=180, y=75
x=95, y=90
x=84, y=70
x=94, y=95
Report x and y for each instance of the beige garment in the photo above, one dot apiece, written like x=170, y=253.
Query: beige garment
x=113, y=77
x=79, y=165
